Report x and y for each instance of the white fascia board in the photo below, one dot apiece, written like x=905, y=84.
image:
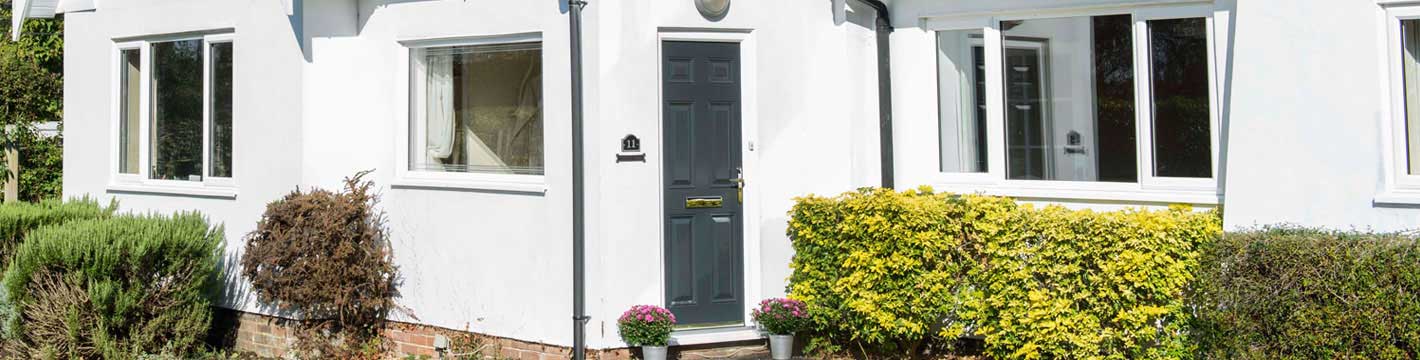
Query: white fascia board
x=68, y=6
x=26, y=9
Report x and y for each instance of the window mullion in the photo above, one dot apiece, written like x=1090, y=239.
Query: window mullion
x=1143, y=100
x=1215, y=124
x=995, y=100
x=145, y=112
x=206, y=111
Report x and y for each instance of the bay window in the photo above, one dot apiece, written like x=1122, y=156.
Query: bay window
x=1119, y=100
x=174, y=111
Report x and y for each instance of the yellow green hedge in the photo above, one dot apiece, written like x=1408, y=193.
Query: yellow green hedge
x=886, y=271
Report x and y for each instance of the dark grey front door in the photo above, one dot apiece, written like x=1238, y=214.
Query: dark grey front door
x=703, y=225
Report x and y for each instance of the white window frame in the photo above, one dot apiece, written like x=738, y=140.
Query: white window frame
x=143, y=182
x=1148, y=188
x=1400, y=186
x=409, y=86
x=116, y=167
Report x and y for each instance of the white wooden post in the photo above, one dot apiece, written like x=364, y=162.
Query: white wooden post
x=12, y=166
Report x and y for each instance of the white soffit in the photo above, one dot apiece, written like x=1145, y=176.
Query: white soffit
x=25, y=9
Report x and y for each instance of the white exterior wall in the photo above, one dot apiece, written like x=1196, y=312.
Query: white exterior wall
x=267, y=93
x=1303, y=104
x=489, y=260
x=1307, y=140
x=810, y=109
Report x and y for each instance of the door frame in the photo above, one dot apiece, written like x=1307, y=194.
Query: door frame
x=749, y=156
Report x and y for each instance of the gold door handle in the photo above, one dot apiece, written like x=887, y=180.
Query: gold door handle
x=739, y=185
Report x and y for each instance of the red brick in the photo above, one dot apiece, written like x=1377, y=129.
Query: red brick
x=422, y=340
x=510, y=353
x=553, y=357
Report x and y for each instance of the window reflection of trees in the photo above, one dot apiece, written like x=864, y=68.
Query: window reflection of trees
x=177, y=110
x=1182, y=139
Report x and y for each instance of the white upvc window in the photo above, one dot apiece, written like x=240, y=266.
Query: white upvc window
x=173, y=111
x=1402, y=160
x=475, y=114
x=1105, y=103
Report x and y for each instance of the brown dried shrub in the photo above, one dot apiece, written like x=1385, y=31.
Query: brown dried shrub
x=325, y=256
x=59, y=324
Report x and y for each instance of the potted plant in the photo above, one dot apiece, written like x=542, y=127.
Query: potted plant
x=649, y=327
x=781, y=318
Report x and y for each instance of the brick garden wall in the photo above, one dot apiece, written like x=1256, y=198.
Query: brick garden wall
x=266, y=337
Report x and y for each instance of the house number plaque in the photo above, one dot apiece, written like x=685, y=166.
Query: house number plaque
x=630, y=143
x=631, y=150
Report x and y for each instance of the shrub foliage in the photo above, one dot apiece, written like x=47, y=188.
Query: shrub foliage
x=884, y=270
x=1288, y=293
x=19, y=218
x=31, y=69
x=1058, y=283
x=887, y=271
x=112, y=288
x=326, y=257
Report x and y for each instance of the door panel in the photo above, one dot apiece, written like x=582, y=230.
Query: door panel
x=680, y=274
x=680, y=118
x=704, y=255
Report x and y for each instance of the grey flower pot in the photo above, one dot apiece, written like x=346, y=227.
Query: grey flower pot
x=653, y=352
x=781, y=347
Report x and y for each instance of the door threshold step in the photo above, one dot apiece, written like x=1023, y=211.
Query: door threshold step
x=724, y=334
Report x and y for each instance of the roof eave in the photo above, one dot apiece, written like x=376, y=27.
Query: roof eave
x=31, y=9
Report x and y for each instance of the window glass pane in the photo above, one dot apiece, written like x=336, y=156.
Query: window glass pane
x=1178, y=56
x=130, y=78
x=481, y=110
x=176, y=128
x=961, y=84
x=1070, y=99
x=1410, y=30
x=221, y=111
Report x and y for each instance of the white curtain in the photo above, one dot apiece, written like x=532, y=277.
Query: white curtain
x=439, y=125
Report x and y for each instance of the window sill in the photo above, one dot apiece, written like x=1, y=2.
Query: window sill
x=537, y=188
x=178, y=190
x=1140, y=196
x=1397, y=198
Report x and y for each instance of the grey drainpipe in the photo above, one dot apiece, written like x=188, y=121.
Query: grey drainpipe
x=579, y=237
x=884, y=29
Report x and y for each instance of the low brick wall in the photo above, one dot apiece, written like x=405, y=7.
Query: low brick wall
x=265, y=336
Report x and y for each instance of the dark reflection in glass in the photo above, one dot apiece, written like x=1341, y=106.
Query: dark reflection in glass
x=221, y=110
x=176, y=127
x=1179, y=59
x=1114, y=98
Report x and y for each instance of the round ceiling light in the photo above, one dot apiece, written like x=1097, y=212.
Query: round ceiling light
x=713, y=9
